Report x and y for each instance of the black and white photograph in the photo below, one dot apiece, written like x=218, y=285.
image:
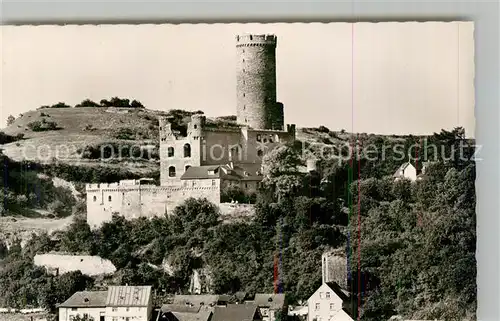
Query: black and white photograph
x=238, y=172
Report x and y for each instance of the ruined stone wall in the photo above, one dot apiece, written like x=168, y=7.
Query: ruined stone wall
x=265, y=141
x=143, y=201
x=216, y=145
x=178, y=160
x=179, y=195
x=255, y=80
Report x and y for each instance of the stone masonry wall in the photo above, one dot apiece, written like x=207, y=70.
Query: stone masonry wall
x=255, y=80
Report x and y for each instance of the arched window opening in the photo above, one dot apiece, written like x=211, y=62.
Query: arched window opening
x=170, y=152
x=109, y=198
x=187, y=167
x=187, y=150
x=171, y=171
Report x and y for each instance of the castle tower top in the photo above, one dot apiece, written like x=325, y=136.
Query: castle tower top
x=248, y=40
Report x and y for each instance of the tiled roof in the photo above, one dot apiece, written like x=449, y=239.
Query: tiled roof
x=273, y=301
x=343, y=294
x=198, y=299
x=129, y=296
x=245, y=172
x=180, y=308
x=185, y=313
x=91, y=299
x=235, y=312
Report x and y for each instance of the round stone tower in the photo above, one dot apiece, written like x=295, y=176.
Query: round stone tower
x=256, y=81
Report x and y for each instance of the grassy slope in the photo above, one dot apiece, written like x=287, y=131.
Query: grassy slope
x=73, y=135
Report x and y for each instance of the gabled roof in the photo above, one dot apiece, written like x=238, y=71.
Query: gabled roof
x=198, y=299
x=272, y=301
x=185, y=313
x=128, y=296
x=90, y=299
x=180, y=308
x=240, y=172
x=235, y=312
x=343, y=294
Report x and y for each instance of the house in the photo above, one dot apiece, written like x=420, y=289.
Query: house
x=172, y=312
x=406, y=170
x=127, y=303
x=237, y=312
x=203, y=301
x=328, y=303
x=84, y=303
x=269, y=305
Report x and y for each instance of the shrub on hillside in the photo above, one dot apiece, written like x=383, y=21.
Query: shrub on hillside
x=58, y=105
x=43, y=125
x=5, y=139
x=323, y=129
x=87, y=103
x=59, y=208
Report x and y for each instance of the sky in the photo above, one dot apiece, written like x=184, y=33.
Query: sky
x=384, y=78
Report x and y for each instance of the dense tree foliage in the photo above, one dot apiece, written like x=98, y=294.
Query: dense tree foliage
x=411, y=245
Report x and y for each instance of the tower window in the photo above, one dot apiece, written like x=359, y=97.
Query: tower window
x=187, y=150
x=94, y=198
x=170, y=152
x=171, y=171
x=195, y=126
x=251, y=37
x=109, y=198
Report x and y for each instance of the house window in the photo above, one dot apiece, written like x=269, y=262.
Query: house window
x=243, y=94
x=115, y=319
x=195, y=126
x=321, y=295
x=171, y=171
x=193, y=183
x=327, y=295
x=244, y=107
x=260, y=153
x=127, y=319
x=332, y=306
x=213, y=182
x=85, y=315
x=170, y=152
x=127, y=309
x=94, y=198
x=109, y=198
x=251, y=37
x=74, y=309
x=187, y=150
x=114, y=309
x=317, y=307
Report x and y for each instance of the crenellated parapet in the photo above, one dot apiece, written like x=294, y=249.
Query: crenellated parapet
x=250, y=40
